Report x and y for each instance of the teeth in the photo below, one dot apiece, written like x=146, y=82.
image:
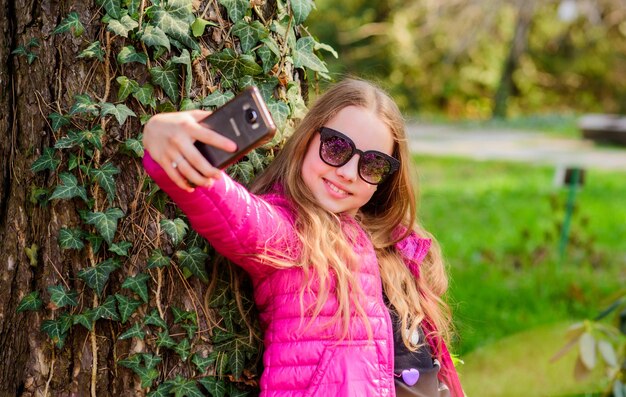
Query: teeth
x=335, y=188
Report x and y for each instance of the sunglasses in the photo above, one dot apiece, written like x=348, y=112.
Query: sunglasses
x=336, y=149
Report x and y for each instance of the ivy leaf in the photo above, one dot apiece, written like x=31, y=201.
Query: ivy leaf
x=147, y=376
x=21, y=50
x=58, y=121
x=301, y=10
x=95, y=241
x=133, y=332
x=249, y=34
x=126, y=306
x=236, y=8
x=121, y=248
x=57, y=329
x=30, y=302
x=62, y=297
x=83, y=104
x=86, y=319
x=181, y=315
x=157, y=259
x=220, y=295
x=242, y=171
x=122, y=26
x=162, y=391
x=129, y=54
x=107, y=310
x=71, y=238
x=155, y=319
x=112, y=7
x=217, y=99
x=145, y=95
x=135, y=146
x=233, y=66
x=104, y=177
x=97, y=276
x=229, y=313
x=71, y=22
x=176, y=229
x=182, y=349
x=215, y=387
x=194, y=260
x=121, y=111
x=105, y=222
x=93, y=136
x=93, y=50
x=185, y=59
x=165, y=340
x=294, y=97
x=184, y=387
x=46, y=161
x=191, y=329
x=69, y=188
x=175, y=22
x=198, y=26
x=221, y=363
x=72, y=139
x=268, y=58
x=133, y=361
x=138, y=285
x=326, y=47
x=237, y=349
x=151, y=360
x=166, y=78
x=202, y=363
x=279, y=111
x=127, y=87
x=153, y=36
x=303, y=55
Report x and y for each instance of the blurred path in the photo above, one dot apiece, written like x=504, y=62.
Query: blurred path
x=512, y=145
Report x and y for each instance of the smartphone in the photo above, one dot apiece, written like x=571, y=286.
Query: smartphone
x=246, y=120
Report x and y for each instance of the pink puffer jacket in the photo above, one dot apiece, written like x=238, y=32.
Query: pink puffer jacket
x=300, y=360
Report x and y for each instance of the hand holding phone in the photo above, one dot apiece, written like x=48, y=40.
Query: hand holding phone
x=246, y=120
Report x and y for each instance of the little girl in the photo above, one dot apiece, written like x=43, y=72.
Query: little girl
x=347, y=284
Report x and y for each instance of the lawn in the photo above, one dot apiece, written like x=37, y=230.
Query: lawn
x=499, y=226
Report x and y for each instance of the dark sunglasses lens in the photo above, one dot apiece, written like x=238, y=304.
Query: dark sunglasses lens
x=335, y=150
x=374, y=168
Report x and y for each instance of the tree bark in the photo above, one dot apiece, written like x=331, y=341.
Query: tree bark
x=519, y=44
x=28, y=94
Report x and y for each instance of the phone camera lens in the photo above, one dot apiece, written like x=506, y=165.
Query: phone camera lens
x=251, y=116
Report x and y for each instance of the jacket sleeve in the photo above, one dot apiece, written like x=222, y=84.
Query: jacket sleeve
x=239, y=225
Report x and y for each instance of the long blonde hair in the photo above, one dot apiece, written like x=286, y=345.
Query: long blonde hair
x=325, y=247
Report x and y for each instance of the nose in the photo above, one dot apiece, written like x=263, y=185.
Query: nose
x=350, y=170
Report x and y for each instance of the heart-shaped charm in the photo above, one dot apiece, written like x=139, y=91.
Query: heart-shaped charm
x=410, y=376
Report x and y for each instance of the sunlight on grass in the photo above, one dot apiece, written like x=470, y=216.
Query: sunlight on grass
x=519, y=366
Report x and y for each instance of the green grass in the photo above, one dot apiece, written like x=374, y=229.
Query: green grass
x=499, y=225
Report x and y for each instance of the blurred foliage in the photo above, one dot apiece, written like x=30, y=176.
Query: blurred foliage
x=447, y=56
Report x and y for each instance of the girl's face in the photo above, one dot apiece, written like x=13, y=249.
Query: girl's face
x=341, y=189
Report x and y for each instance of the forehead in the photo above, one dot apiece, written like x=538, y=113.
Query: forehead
x=364, y=127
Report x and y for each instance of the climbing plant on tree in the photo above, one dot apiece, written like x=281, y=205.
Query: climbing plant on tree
x=132, y=301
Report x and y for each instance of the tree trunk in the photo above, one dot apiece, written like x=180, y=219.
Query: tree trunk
x=518, y=46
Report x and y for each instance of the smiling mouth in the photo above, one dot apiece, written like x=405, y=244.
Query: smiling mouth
x=336, y=189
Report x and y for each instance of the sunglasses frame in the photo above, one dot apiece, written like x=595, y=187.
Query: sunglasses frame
x=329, y=132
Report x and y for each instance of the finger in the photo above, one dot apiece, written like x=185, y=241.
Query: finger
x=198, y=114
x=177, y=178
x=213, y=138
x=191, y=174
x=200, y=164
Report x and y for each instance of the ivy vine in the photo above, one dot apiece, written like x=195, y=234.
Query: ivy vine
x=166, y=55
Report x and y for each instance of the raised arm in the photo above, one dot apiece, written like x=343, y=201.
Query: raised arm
x=240, y=225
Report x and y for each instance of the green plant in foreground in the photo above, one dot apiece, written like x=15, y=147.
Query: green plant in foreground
x=601, y=342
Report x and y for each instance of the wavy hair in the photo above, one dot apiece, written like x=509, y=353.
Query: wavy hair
x=326, y=250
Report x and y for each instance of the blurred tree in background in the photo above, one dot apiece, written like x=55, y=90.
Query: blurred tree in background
x=456, y=56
